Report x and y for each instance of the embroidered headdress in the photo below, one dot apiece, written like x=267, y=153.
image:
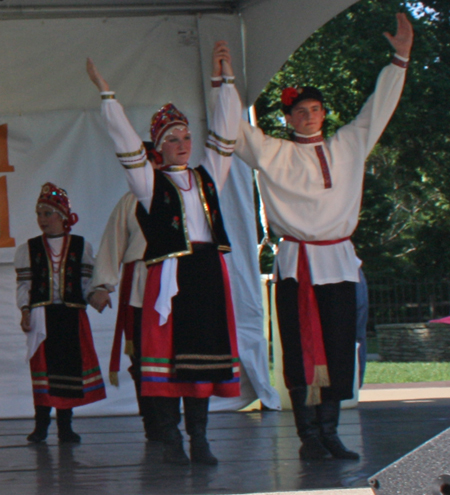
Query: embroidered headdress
x=165, y=119
x=291, y=96
x=57, y=199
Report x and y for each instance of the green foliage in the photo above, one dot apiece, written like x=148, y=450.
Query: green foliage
x=405, y=223
x=379, y=372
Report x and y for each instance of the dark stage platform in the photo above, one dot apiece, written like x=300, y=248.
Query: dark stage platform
x=258, y=452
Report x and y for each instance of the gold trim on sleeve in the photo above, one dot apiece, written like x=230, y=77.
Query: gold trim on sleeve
x=218, y=150
x=228, y=80
x=221, y=139
x=136, y=165
x=131, y=153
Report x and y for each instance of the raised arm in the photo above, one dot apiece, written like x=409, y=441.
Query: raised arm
x=128, y=145
x=225, y=118
x=95, y=76
x=378, y=109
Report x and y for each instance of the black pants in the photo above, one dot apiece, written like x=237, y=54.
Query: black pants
x=337, y=309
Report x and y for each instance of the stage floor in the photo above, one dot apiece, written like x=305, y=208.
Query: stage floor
x=258, y=452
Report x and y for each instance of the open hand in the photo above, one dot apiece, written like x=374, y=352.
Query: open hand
x=403, y=39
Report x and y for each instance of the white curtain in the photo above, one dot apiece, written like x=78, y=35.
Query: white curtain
x=51, y=112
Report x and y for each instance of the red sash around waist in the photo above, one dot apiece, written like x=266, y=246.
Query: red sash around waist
x=124, y=322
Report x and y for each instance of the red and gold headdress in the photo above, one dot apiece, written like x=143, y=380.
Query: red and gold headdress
x=166, y=118
x=57, y=199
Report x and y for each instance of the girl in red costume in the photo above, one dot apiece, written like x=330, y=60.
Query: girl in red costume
x=53, y=275
x=189, y=346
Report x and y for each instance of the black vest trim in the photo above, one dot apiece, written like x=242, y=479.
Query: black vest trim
x=165, y=226
x=167, y=257
x=209, y=199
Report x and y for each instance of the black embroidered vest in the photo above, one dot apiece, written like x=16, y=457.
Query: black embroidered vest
x=165, y=227
x=69, y=276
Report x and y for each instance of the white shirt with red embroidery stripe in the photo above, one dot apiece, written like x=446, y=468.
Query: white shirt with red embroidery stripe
x=292, y=187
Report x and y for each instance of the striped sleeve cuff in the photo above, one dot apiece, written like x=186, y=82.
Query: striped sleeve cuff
x=133, y=159
x=220, y=145
x=24, y=274
x=400, y=61
x=216, y=82
x=108, y=95
x=86, y=270
x=228, y=79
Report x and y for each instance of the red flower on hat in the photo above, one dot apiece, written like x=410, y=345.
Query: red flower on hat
x=289, y=95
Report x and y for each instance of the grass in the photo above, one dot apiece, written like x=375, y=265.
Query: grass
x=384, y=372
x=380, y=372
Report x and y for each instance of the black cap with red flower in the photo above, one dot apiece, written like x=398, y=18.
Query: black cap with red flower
x=291, y=96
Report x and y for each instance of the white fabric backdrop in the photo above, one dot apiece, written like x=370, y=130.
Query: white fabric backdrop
x=55, y=134
x=275, y=29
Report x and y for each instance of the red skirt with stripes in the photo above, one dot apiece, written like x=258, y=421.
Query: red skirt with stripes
x=195, y=353
x=82, y=383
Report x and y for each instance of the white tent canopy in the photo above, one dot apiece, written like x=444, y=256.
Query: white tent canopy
x=50, y=130
x=271, y=29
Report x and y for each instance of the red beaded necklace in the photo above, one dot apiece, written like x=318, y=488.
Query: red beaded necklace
x=55, y=258
x=190, y=181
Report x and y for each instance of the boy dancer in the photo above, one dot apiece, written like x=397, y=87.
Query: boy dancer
x=312, y=191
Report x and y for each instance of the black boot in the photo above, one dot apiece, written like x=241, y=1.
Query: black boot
x=196, y=419
x=146, y=404
x=150, y=419
x=307, y=428
x=42, y=422
x=328, y=417
x=168, y=411
x=64, y=422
